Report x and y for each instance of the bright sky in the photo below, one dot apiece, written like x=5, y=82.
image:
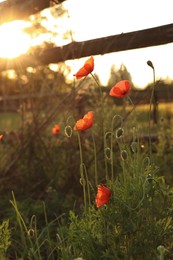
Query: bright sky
x=89, y=19
x=94, y=18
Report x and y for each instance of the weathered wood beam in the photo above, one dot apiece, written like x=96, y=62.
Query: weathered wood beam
x=121, y=42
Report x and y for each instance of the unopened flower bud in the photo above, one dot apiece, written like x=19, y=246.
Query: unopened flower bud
x=124, y=155
x=82, y=181
x=162, y=250
x=150, y=64
x=68, y=131
x=108, y=153
x=31, y=233
x=134, y=147
x=119, y=132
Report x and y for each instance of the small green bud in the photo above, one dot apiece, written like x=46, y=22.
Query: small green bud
x=134, y=147
x=108, y=153
x=150, y=64
x=162, y=250
x=31, y=233
x=119, y=132
x=68, y=131
x=124, y=155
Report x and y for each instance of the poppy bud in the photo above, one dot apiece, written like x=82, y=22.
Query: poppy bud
x=108, y=153
x=119, y=132
x=31, y=233
x=150, y=64
x=124, y=155
x=162, y=250
x=134, y=147
x=68, y=131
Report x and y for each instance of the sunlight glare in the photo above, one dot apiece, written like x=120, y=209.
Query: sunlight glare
x=14, y=41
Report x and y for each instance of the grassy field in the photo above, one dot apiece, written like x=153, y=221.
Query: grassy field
x=12, y=120
x=9, y=121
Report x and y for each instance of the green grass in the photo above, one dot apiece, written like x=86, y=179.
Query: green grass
x=12, y=120
x=9, y=121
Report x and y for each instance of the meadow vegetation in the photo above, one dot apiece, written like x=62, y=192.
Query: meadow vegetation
x=82, y=176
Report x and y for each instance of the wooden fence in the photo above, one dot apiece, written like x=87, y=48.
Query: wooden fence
x=124, y=41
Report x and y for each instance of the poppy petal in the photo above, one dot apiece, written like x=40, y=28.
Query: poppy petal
x=85, y=123
x=121, y=89
x=103, y=196
x=56, y=130
x=86, y=69
x=81, y=73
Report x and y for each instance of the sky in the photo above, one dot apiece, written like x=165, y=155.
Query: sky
x=95, y=18
x=89, y=19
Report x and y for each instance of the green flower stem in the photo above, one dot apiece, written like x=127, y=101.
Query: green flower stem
x=102, y=114
x=129, y=98
x=81, y=161
x=95, y=161
x=112, y=159
x=82, y=169
x=108, y=150
x=87, y=184
x=150, y=108
x=112, y=135
x=124, y=175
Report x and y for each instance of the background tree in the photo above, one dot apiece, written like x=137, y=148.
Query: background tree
x=118, y=74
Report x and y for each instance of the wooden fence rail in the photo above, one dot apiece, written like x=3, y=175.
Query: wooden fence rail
x=124, y=41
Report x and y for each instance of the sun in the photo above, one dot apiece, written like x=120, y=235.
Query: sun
x=13, y=40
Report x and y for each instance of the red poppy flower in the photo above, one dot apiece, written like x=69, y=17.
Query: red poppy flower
x=56, y=130
x=121, y=89
x=86, y=69
x=103, y=195
x=1, y=137
x=86, y=122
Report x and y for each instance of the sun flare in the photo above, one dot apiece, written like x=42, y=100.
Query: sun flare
x=14, y=41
